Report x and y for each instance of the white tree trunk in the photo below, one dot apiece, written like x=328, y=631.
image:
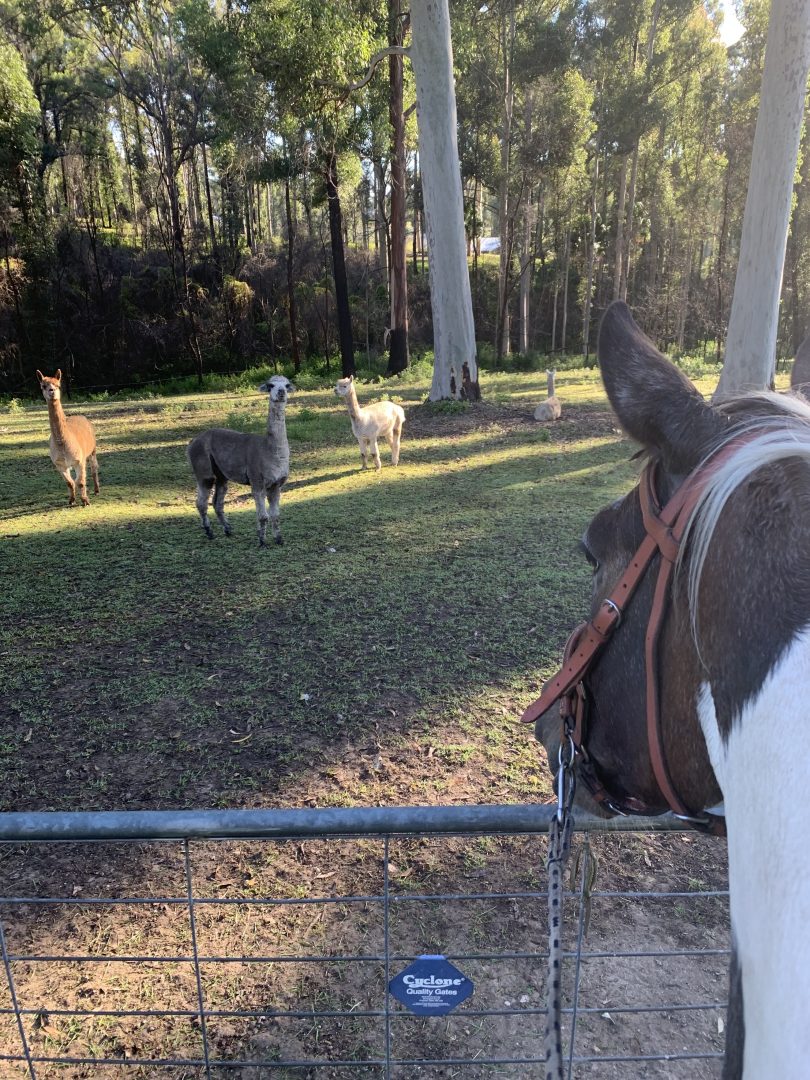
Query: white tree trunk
x=751, y=340
x=455, y=371
x=526, y=275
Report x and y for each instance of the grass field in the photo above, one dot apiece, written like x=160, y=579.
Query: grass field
x=382, y=656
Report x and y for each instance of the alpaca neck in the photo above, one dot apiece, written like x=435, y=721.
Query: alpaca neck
x=58, y=420
x=352, y=404
x=276, y=422
x=550, y=384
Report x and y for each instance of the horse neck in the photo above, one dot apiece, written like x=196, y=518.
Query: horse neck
x=764, y=773
x=58, y=420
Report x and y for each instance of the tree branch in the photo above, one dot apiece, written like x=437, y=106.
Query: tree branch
x=390, y=50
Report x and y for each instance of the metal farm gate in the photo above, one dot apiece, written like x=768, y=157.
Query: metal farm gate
x=259, y=944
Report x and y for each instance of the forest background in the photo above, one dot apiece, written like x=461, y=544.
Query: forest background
x=191, y=187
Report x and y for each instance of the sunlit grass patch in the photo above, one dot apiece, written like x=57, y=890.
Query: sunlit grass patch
x=409, y=609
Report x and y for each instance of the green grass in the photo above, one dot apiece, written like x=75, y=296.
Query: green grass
x=382, y=655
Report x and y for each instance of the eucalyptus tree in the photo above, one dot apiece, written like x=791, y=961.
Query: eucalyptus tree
x=455, y=368
x=754, y=319
x=19, y=141
x=19, y=151
x=398, y=23
x=141, y=45
x=309, y=52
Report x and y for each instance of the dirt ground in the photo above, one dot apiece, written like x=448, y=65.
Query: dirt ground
x=679, y=987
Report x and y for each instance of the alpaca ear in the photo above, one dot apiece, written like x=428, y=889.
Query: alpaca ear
x=290, y=388
x=40, y=376
x=58, y=375
x=264, y=388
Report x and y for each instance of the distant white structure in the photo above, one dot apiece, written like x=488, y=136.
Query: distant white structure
x=490, y=244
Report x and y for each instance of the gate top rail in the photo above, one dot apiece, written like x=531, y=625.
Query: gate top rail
x=54, y=825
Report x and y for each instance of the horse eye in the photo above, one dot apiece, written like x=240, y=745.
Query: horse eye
x=593, y=562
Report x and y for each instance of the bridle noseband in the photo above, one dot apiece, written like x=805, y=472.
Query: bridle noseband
x=664, y=529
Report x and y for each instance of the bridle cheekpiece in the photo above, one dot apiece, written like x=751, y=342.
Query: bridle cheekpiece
x=664, y=528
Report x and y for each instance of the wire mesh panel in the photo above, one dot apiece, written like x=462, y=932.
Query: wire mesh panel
x=254, y=957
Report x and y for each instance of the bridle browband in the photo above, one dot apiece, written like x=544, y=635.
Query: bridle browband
x=664, y=529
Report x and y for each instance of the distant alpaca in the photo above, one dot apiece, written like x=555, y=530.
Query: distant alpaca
x=73, y=441
x=382, y=419
x=550, y=409
x=263, y=461
x=800, y=374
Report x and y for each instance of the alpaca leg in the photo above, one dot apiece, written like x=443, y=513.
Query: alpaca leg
x=82, y=471
x=376, y=452
x=203, y=494
x=67, y=476
x=363, y=448
x=393, y=442
x=220, y=491
x=262, y=515
x=94, y=470
x=274, y=494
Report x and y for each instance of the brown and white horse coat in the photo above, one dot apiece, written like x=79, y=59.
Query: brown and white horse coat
x=733, y=670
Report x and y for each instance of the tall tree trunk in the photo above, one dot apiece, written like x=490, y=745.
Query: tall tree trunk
x=586, y=312
x=503, y=330
x=414, y=245
x=751, y=341
x=293, y=314
x=526, y=275
x=526, y=259
x=619, y=253
x=455, y=368
x=566, y=274
x=628, y=237
x=344, y=314
x=209, y=205
x=398, y=342
x=380, y=223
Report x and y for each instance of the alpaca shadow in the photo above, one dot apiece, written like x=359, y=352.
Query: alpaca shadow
x=323, y=478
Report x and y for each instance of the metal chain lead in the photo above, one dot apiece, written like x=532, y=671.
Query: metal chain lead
x=559, y=843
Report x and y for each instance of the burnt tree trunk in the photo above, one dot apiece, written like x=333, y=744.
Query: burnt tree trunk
x=398, y=344
x=344, y=314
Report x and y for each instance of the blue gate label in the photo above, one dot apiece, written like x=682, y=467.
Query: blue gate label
x=430, y=986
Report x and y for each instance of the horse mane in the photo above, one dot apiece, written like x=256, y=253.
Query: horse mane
x=779, y=428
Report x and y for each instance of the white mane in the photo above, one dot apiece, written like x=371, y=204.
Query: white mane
x=783, y=433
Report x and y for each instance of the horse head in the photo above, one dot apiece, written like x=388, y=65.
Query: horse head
x=690, y=684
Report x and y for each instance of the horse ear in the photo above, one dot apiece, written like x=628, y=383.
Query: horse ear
x=655, y=403
x=801, y=365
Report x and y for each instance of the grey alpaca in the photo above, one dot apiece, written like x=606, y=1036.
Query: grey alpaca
x=262, y=461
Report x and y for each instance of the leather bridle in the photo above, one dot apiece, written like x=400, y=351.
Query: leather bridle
x=664, y=529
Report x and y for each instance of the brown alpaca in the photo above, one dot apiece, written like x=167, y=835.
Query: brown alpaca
x=73, y=441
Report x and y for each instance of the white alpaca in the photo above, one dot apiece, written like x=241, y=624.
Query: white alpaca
x=550, y=409
x=383, y=419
